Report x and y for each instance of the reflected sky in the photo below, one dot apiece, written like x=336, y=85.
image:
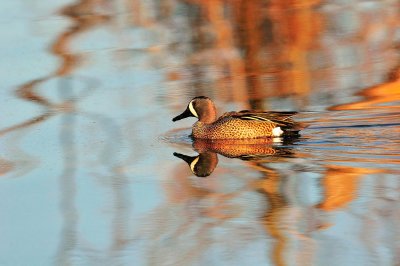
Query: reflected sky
x=87, y=171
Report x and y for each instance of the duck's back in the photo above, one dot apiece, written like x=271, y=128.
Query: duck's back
x=245, y=124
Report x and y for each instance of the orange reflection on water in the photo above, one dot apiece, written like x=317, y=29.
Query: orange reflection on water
x=84, y=16
x=274, y=41
x=377, y=97
x=273, y=219
x=340, y=185
x=5, y=166
x=257, y=153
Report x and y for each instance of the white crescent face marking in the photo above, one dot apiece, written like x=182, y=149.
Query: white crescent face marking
x=193, y=164
x=191, y=108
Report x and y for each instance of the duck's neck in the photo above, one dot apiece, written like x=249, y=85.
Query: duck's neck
x=208, y=119
x=208, y=115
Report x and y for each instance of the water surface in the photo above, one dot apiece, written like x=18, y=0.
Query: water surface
x=88, y=174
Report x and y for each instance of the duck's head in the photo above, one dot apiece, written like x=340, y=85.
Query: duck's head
x=200, y=107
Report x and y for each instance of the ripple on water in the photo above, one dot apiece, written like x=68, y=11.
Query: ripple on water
x=177, y=136
x=359, y=137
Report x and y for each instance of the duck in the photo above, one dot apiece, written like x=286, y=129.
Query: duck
x=245, y=124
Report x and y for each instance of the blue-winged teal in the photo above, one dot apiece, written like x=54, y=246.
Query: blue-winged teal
x=237, y=125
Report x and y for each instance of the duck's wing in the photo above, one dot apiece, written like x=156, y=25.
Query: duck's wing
x=274, y=117
x=280, y=119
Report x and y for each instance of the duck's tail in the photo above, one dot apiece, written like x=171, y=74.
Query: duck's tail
x=294, y=128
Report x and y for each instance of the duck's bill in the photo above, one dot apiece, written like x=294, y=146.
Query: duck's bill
x=185, y=114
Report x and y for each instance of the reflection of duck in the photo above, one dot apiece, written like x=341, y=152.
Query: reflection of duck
x=237, y=125
x=201, y=165
x=205, y=162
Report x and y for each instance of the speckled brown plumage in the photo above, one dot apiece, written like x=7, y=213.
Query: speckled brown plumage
x=236, y=125
x=232, y=128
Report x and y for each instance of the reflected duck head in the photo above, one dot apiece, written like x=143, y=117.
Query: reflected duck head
x=200, y=107
x=201, y=165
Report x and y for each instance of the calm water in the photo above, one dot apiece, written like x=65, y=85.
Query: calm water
x=88, y=174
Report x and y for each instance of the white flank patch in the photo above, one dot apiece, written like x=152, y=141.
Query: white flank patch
x=277, y=132
x=192, y=109
x=193, y=164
